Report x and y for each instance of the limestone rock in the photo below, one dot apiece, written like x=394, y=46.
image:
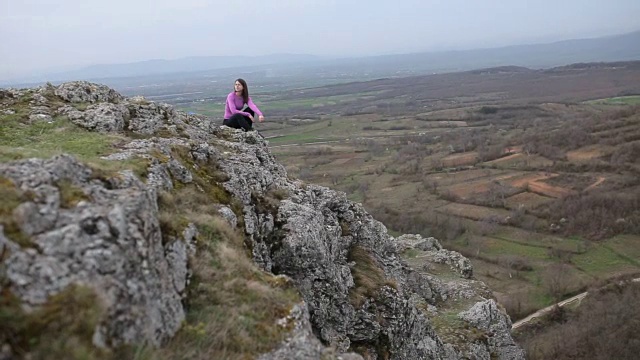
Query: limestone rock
x=229, y=216
x=311, y=239
x=149, y=118
x=413, y=241
x=84, y=91
x=102, y=117
x=109, y=241
x=486, y=316
x=179, y=172
x=302, y=344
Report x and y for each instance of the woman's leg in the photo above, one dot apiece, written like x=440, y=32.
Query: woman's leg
x=249, y=122
x=238, y=121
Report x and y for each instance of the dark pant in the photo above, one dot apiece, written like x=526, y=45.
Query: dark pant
x=239, y=121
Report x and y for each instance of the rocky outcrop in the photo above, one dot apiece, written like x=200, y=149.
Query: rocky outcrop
x=103, y=117
x=363, y=291
x=83, y=232
x=486, y=316
x=83, y=91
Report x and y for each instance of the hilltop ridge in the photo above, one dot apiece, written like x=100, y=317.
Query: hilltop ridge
x=133, y=227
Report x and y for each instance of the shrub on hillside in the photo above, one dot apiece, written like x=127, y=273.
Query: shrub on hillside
x=606, y=326
x=598, y=215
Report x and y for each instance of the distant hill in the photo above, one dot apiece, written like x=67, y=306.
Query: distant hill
x=198, y=63
x=605, y=49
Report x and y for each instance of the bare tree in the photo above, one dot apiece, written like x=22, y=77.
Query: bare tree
x=557, y=278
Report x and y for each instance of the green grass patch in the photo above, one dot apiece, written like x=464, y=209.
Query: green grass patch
x=500, y=247
x=453, y=330
x=70, y=195
x=601, y=262
x=546, y=242
x=367, y=276
x=540, y=298
x=626, y=245
x=206, y=108
x=20, y=139
x=411, y=253
x=294, y=139
x=60, y=329
x=314, y=102
x=619, y=100
x=105, y=169
x=12, y=197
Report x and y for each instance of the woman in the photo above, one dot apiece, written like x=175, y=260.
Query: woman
x=233, y=115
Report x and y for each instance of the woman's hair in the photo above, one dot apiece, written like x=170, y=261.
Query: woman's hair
x=245, y=90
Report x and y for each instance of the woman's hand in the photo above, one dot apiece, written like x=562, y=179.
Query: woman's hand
x=261, y=118
x=250, y=117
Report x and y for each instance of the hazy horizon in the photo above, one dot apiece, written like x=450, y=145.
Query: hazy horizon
x=41, y=36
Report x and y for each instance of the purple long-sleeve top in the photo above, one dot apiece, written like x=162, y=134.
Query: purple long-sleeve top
x=235, y=103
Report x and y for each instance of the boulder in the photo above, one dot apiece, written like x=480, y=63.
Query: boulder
x=87, y=92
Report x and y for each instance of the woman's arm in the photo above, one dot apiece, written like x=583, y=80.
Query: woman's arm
x=231, y=105
x=254, y=107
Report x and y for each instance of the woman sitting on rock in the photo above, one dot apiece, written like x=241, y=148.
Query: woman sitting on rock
x=235, y=113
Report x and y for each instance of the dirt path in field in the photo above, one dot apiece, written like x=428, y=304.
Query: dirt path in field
x=549, y=190
x=600, y=180
x=502, y=159
x=548, y=309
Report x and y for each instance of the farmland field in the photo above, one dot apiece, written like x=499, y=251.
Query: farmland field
x=513, y=170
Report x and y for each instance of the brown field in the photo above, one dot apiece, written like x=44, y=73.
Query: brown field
x=444, y=124
x=342, y=161
x=504, y=159
x=454, y=160
x=520, y=160
x=525, y=180
x=397, y=162
x=474, y=212
x=449, y=178
x=548, y=190
x=527, y=200
x=467, y=189
x=588, y=153
x=449, y=114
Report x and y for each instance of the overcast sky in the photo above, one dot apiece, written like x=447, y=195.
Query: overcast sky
x=52, y=34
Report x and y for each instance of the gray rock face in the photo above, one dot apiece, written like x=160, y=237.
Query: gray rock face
x=109, y=241
x=302, y=344
x=486, y=316
x=310, y=237
x=102, y=117
x=83, y=91
x=149, y=118
x=110, y=112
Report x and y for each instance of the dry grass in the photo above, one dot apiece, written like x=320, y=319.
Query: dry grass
x=367, y=276
x=232, y=305
x=588, y=153
x=61, y=329
x=12, y=197
x=527, y=200
x=474, y=212
x=460, y=159
x=70, y=195
x=548, y=190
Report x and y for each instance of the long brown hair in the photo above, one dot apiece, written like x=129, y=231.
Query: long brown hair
x=245, y=90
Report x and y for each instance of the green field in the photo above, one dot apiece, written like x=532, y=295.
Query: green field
x=620, y=100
